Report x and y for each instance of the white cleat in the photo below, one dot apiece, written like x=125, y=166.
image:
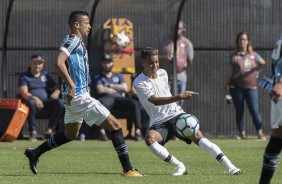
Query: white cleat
x=180, y=170
x=235, y=171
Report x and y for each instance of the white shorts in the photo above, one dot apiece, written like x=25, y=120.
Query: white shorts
x=276, y=114
x=85, y=107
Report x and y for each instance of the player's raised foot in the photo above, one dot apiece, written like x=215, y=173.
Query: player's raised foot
x=180, y=170
x=235, y=171
x=132, y=173
x=32, y=160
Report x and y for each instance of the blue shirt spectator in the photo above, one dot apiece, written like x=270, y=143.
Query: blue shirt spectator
x=116, y=78
x=111, y=88
x=39, y=91
x=38, y=86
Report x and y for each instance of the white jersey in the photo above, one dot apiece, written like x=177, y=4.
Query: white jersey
x=159, y=87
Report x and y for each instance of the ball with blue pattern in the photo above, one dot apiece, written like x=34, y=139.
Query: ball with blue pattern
x=187, y=125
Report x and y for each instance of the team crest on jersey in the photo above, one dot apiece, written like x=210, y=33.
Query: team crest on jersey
x=115, y=79
x=43, y=78
x=70, y=40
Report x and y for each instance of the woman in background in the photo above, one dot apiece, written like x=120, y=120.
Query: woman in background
x=241, y=83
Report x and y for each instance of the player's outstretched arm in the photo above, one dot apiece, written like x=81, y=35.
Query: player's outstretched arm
x=167, y=100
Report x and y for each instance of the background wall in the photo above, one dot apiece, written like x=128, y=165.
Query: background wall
x=38, y=26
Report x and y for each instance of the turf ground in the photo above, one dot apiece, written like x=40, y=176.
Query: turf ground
x=96, y=162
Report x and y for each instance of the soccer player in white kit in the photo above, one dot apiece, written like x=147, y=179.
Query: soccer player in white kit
x=154, y=93
x=72, y=65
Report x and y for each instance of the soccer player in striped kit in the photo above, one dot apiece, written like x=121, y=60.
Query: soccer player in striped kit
x=72, y=66
x=272, y=151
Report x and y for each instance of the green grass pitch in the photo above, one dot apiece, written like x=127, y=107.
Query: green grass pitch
x=97, y=162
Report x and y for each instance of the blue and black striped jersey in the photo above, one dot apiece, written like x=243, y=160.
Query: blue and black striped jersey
x=77, y=63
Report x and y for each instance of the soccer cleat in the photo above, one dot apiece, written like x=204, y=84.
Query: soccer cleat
x=235, y=171
x=180, y=170
x=32, y=160
x=132, y=173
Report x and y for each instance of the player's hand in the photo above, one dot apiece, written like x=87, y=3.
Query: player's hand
x=70, y=95
x=276, y=93
x=187, y=94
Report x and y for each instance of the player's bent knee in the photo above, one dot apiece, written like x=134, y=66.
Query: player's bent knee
x=151, y=138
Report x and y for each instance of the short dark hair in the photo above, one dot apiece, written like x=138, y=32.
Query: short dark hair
x=76, y=16
x=149, y=52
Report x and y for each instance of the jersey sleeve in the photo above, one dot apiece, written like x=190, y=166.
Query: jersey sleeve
x=190, y=51
x=276, y=53
x=168, y=50
x=258, y=58
x=97, y=81
x=144, y=89
x=230, y=60
x=69, y=44
x=22, y=81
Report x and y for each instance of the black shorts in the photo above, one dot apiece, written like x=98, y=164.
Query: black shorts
x=167, y=131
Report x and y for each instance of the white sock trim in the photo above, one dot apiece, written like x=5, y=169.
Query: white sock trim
x=161, y=152
x=214, y=150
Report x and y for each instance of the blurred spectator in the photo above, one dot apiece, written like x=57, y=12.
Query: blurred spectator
x=241, y=83
x=110, y=88
x=40, y=92
x=184, y=56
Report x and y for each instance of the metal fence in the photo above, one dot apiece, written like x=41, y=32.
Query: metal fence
x=38, y=26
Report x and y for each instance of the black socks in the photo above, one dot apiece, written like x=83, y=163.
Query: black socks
x=270, y=159
x=55, y=141
x=121, y=149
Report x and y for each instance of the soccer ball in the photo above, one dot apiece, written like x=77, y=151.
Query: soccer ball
x=187, y=125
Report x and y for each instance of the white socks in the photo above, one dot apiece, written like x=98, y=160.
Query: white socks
x=216, y=152
x=161, y=152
